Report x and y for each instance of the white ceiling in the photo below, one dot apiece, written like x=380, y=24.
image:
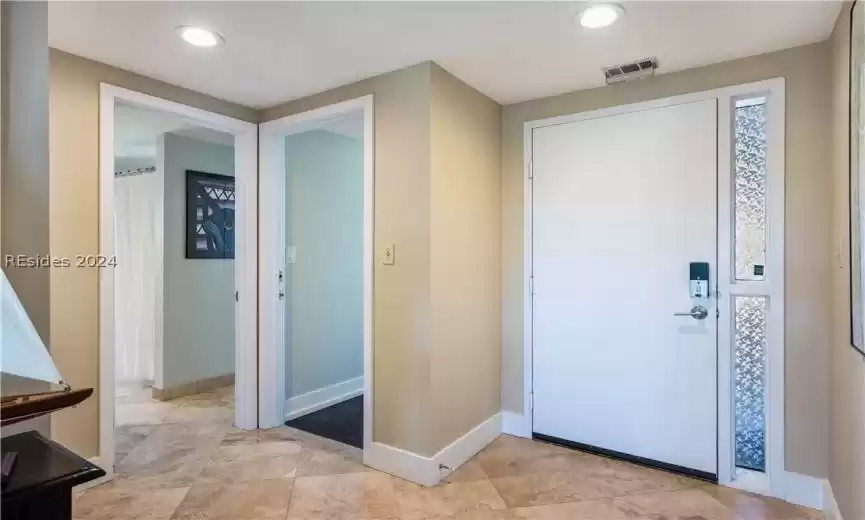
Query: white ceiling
x=512, y=51
x=137, y=130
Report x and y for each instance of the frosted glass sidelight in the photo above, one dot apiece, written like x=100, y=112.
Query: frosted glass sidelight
x=749, y=360
x=750, y=189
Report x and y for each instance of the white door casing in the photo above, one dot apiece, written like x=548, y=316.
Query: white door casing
x=622, y=205
x=272, y=354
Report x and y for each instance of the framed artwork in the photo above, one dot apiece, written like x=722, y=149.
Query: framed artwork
x=857, y=175
x=209, y=215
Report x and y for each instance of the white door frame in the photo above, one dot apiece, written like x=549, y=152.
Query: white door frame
x=272, y=360
x=772, y=482
x=246, y=312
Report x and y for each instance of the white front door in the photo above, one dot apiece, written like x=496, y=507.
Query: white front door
x=621, y=206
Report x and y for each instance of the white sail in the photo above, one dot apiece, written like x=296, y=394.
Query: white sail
x=22, y=352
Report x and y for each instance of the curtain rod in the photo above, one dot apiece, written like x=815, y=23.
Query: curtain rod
x=135, y=171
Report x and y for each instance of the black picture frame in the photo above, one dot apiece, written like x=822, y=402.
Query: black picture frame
x=210, y=230
x=855, y=62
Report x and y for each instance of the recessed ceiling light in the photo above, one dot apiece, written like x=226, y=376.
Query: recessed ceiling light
x=600, y=15
x=199, y=36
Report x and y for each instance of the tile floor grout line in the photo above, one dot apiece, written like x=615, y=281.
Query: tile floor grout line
x=490, y=481
x=396, y=501
x=290, y=496
x=173, y=511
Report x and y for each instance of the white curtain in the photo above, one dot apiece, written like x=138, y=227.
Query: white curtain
x=139, y=233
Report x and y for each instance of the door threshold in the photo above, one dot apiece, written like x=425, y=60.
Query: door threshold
x=617, y=455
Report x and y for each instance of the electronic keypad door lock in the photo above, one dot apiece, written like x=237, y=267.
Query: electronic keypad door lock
x=699, y=279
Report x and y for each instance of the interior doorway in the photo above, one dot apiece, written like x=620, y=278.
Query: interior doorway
x=174, y=187
x=177, y=205
x=316, y=295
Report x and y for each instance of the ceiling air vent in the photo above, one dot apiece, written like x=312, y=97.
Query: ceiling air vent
x=629, y=71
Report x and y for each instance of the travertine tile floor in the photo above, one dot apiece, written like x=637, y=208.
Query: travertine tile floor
x=204, y=469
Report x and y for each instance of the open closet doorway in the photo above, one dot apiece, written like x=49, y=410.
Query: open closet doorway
x=316, y=295
x=175, y=220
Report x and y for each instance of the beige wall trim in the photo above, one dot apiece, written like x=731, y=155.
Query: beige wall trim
x=194, y=387
x=429, y=471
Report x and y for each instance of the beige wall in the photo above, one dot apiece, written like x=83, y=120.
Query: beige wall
x=404, y=366
x=436, y=199
x=847, y=462
x=464, y=269
x=74, y=222
x=24, y=179
x=807, y=237
x=401, y=295
x=25, y=147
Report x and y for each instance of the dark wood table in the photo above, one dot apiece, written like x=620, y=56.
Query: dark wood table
x=40, y=484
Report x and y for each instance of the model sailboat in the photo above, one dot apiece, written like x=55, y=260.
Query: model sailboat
x=23, y=354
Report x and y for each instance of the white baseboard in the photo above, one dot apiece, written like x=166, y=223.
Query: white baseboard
x=516, y=424
x=426, y=470
x=459, y=451
x=322, y=398
x=804, y=490
x=403, y=464
x=830, y=506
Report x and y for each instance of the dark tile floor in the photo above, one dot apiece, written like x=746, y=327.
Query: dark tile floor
x=341, y=422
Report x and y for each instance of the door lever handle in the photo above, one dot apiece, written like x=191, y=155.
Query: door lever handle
x=698, y=312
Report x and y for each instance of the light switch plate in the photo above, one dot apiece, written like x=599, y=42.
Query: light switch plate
x=389, y=255
x=291, y=255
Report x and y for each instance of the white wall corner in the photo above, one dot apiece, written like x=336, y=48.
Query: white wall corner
x=427, y=471
x=323, y=397
x=516, y=424
x=830, y=506
x=805, y=490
